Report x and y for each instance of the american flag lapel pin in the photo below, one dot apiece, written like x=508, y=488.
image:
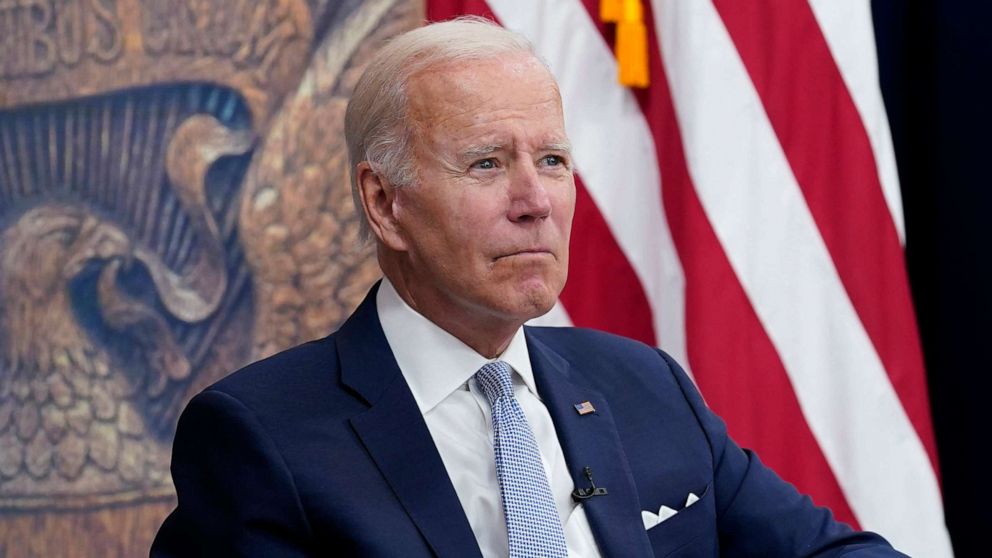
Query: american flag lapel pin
x=584, y=408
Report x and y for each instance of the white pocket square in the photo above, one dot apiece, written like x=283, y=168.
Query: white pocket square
x=665, y=512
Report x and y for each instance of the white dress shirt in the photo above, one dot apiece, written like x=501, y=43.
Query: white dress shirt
x=440, y=371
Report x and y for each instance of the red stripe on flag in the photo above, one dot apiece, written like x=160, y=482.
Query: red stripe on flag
x=439, y=10
x=824, y=139
x=732, y=359
x=603, y=291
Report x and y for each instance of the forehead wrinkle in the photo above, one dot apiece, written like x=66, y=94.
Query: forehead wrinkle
x=450, y=101
x=452, y=96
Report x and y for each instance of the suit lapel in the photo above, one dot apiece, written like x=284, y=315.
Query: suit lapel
x=396, y=436
x=591, y=440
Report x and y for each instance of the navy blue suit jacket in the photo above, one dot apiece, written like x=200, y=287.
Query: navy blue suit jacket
x=321, y=450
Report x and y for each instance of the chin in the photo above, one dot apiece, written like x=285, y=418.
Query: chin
x=533, y=300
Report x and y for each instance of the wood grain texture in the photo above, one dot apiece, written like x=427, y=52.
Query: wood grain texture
x=125, y=531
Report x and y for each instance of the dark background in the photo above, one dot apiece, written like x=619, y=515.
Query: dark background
x=935, y=61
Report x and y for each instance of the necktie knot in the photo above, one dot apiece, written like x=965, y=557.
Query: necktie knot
x=494, y=379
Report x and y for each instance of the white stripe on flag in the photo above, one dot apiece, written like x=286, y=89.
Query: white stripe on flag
x=760, y=216
x=847, y=26
x=614, y=150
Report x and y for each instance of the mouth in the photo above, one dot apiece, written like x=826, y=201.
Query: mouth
x=526, y=253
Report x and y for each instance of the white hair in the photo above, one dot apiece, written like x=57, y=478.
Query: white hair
x=376, y=124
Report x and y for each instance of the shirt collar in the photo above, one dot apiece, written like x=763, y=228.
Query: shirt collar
x=434, y=362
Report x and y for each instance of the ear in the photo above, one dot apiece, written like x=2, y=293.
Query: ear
x=378, y=197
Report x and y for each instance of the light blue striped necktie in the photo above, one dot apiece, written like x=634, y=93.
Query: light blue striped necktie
x=532, y=522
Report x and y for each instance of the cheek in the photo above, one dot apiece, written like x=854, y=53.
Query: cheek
x=427, y=219
x=471, y=220
x=564, y=207
x=461, y=239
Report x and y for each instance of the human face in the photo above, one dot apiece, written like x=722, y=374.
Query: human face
x=485, y=226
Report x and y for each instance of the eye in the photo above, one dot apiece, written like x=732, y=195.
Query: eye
x=485, y=164
x=553, y=161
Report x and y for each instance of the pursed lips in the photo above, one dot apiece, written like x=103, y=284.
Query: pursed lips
x=526, y=252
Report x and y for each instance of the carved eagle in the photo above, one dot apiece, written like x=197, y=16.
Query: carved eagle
x=63, y=413
x=77, y=417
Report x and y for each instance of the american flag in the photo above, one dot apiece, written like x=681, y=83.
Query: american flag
x=743, y=213
x=584, y=408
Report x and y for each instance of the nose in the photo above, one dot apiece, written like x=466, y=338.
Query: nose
x=529, y=199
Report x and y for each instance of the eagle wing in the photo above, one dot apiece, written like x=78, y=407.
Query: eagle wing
x=299, y=227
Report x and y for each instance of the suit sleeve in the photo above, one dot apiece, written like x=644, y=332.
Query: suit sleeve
x=758, y=513
x=236, y=495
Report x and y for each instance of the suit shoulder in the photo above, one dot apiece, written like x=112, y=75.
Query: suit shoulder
x=583, y=343
x=301, y=367
x=608, y=361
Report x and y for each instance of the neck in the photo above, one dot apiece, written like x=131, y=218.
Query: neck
x=486, y=333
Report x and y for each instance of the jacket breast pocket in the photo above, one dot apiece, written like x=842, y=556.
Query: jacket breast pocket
x=689, y=533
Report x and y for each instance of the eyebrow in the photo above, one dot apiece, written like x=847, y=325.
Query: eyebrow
x=557, y=146
x=481, y=150
x=489, y=149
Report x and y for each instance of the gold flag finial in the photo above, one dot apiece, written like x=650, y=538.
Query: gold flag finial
x=631, y=42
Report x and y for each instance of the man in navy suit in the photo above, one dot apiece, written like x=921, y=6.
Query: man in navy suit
x=433, y=423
